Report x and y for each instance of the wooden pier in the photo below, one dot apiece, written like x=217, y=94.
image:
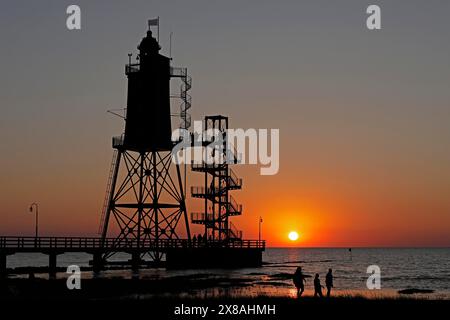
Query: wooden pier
x=180, y=253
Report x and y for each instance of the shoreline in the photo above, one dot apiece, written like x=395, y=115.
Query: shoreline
x=198, y=287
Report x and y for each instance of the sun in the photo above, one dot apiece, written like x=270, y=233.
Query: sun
x=293, y=236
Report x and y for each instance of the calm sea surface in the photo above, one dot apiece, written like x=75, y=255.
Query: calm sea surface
x=424, y=268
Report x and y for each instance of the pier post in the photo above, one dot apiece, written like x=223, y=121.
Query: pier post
x=135, y=261
x=97, y=262
x=52, y=265
x=3, y=272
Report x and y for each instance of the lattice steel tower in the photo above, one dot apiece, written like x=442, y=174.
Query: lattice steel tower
x=145, y=199
x=219, y=180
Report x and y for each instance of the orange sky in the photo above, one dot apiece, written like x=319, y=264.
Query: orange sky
x=363, y=117
x=326, y=210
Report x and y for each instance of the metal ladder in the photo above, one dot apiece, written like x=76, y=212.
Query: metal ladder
x=108, y=191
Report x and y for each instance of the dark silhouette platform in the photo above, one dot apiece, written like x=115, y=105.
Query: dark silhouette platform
x=180, y=253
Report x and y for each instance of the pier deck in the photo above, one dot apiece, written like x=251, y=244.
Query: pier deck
x=180, y=253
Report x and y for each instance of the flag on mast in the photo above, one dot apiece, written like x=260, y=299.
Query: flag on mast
x=153, y=22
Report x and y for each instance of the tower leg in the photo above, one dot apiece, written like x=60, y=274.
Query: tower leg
x=183, y=203
x=52, y=265
x=155, y=197
x=147, y=204
x=110, y=189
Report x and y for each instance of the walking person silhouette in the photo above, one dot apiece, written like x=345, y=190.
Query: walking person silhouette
x=317, y=286
x=329, y=282
x=299, y=281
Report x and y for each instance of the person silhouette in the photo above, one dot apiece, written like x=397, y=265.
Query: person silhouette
x=317, y=286
x=329, y=282
x=299, y=281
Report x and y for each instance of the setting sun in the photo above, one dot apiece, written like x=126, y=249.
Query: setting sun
x=293, y=236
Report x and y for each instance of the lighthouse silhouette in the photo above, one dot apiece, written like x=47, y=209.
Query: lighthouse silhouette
x=144, y=204
x=148, y=122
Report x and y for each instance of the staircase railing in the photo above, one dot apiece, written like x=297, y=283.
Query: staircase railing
x=234, y=181
x=234, y=207
x=186, y=103
x=234, y=232
x=201, y=217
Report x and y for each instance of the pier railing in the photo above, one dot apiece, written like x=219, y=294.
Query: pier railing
x=85, y=244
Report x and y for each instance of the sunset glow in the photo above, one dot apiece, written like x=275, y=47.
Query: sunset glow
x=293, y=236
x=355, y=171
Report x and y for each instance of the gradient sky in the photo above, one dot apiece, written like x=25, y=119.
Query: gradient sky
x=364, y=116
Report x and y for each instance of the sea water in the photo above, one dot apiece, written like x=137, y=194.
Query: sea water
x=401, y=268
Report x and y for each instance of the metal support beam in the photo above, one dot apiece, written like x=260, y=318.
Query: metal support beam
x=147, y=203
